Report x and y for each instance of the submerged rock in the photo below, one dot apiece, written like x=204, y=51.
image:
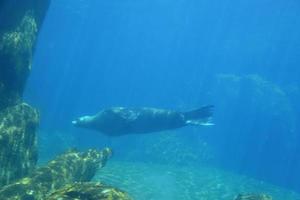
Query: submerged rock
x=15, y=57
x=18, y=148
x=68, y=168
x=253, y=197
x=20, y=22
x=88, y=191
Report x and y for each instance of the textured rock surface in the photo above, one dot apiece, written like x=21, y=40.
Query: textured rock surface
x=18, y=32
x=88, y=191
x=20, y=23
x=18, y=149
x=70, y=167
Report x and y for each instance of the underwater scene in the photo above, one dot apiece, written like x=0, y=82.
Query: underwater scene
x=149, y=100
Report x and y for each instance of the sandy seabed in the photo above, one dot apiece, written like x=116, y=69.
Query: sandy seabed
x=163, y=182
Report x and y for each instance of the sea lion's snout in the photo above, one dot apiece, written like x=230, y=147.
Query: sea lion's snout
x=81, y=121
x=78, y=121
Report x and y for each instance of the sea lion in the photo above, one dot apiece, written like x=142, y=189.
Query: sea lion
x=119, y=121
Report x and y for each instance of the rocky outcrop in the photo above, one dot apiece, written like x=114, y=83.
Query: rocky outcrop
x=18, y=149
x=90, y=191
x=20, y=23
x=68, y=168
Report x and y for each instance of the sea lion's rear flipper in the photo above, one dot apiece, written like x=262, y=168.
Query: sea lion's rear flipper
x=199, y=123
x=201, y=113
x=201, y=116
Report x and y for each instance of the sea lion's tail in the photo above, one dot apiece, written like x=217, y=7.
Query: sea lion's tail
x=201, y=116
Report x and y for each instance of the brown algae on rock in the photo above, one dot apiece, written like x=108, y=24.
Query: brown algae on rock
x=68, y=168
x=16, y=50
x=18, y=147
x=18, y=32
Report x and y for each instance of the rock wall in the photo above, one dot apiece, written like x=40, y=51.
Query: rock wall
x=19, y=27
x=20, y=23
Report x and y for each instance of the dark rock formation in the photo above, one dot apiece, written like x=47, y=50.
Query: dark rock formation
x=88, y=191
x=18, y=149
x=253, y=197
x=68, y=168
x=20, y=22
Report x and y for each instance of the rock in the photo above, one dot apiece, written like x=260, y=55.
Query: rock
x=68, y=168
x=88, y=191
x=258, y=118
x=18, y=148
x=18, y=32
x=253, y=197
x=20, y=23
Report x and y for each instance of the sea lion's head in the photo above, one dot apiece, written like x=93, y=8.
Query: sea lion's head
x=82, y=121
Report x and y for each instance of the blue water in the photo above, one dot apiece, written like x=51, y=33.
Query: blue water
x=241, y=56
